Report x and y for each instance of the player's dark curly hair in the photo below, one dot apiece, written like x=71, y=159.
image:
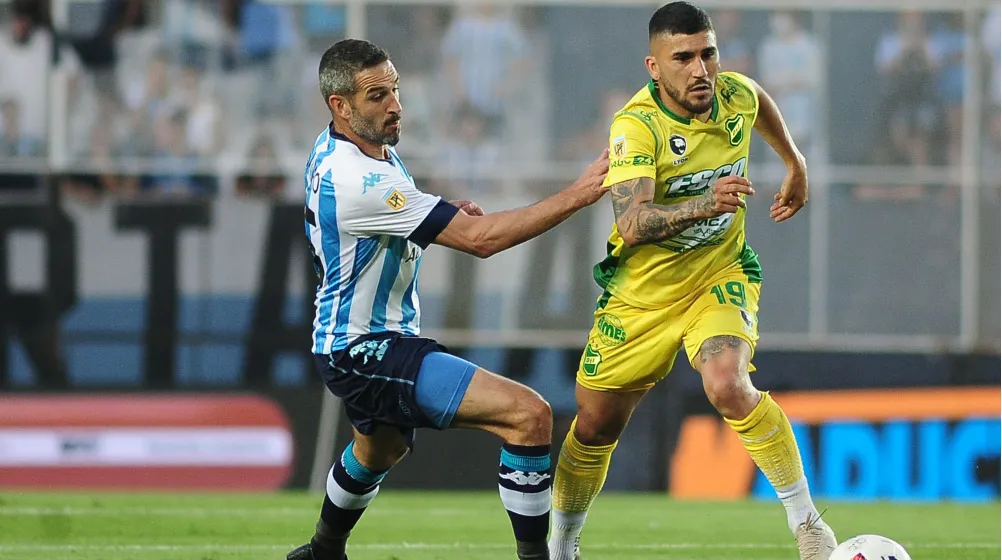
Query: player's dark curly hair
x=679, y=17
x=342, y=61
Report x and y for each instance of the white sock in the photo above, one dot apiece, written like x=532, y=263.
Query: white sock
x=566, y=528
x=796, y=499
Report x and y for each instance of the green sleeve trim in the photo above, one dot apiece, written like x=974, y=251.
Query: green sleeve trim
x=641, y=120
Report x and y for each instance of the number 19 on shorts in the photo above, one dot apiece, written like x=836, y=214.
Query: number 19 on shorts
x=732, y=292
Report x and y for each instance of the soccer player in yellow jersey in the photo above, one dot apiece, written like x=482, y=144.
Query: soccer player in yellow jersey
x=679, y=272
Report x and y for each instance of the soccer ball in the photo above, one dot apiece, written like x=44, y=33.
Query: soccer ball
x=869, y=547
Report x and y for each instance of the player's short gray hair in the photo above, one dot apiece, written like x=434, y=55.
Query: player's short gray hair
x=343, y=61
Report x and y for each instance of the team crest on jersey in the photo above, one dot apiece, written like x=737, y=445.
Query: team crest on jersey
x=735, y=129
x=395, y=200
x=677, y=144
x=619, y=146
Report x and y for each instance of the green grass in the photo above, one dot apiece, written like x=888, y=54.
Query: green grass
x=425, y=526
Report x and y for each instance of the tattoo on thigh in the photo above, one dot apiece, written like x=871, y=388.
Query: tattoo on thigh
x=716, y=346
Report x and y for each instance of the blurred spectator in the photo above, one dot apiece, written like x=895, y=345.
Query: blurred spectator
x=13, y=142
x=104, y=180
x=146, y=101
x=587, y=144
x=790, y=69
x=268, y=40
x=469, y=156
x=176, y=173
x=484, y=54
x=28, y=54
x=735, y=54
x=193, y=29
x=322, y=25
x=906, y=63
x=263, y=176
x=98, y=50
x=204, y=125
x=948, y=48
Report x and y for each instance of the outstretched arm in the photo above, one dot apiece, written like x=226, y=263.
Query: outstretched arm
x=641, y=221
x=490, y=234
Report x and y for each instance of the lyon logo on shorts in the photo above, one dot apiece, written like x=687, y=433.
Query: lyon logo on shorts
x=749, y=320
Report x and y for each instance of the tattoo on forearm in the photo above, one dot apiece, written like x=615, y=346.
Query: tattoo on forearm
x=647, y=222
x=717, y=345
x=622, y=196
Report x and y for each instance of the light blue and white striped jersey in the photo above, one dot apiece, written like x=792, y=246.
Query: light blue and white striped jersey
x=361, y=216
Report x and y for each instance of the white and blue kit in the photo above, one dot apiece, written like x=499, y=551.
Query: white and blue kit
x=368, y=224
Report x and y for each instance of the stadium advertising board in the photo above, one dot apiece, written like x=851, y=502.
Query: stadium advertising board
x=191, y=442
x=889, y=444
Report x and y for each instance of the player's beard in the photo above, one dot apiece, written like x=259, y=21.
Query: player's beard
x=692, y=107
x=374, y=129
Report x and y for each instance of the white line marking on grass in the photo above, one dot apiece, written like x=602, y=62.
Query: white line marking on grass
x=450, y=546
x=202, y=512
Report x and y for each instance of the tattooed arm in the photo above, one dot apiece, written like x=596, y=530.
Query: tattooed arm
x=641, y=221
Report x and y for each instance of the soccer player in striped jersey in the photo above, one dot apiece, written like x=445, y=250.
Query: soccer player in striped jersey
x=368, y=224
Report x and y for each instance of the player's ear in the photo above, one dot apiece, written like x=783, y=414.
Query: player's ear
x=339, y=106
x=652, y=67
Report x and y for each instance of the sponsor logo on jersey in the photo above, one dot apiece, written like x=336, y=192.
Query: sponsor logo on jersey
x=749, y=321
x=610, y=330
x=371, y=180
x=677, y=144
x=692, y=184
x=635, y=160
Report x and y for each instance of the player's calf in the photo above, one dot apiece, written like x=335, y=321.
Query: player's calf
x=352, y=484
x=524, y=476
x=764, y=431
x=524, y=420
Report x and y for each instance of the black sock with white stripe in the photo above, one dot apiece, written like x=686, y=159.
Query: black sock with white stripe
x=350, y=489
x=524, y=481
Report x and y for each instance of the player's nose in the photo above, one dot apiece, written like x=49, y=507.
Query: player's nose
x=699, y=70
x=395, y=108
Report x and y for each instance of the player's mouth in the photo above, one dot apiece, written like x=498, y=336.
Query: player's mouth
x=701, y=89
x=393, y=125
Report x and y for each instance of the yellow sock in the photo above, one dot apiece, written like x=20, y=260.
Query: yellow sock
x=767, y=435
x=580, y=473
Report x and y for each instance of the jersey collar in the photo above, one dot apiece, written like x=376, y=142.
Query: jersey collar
x=337, y=135
x=653, y=88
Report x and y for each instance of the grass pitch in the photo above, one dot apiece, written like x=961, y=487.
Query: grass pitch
x=426, y=526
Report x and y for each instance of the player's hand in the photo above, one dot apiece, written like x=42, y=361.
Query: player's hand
x=792, y=196
x=589, y=184
x=468, y=207
x=725, y=196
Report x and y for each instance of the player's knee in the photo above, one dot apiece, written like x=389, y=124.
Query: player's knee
x=533, y=420
x=600, y=428
x=730, y=392
x=381, y=457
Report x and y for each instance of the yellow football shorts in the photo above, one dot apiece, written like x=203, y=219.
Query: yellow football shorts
x=630, y=348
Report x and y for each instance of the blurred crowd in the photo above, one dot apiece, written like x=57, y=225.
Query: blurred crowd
x=194, y=97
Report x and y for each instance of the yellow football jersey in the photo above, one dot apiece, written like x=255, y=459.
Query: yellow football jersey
x=684, y=157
